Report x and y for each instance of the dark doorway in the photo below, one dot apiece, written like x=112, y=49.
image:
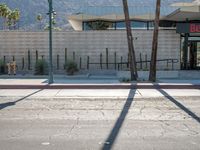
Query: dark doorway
x=194, y=55
x=190, y=53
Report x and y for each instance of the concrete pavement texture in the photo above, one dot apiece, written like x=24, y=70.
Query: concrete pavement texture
x=118, y=119
x=107, y=83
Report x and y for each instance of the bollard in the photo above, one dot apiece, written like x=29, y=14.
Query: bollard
x=80, y=63
x=4, y=59
x=65, y=58
x=36, y=55
x=58, y=62
x=107, y=58
x=88, y=61
x=141, y=61
x=101, y=61
x=121, y=62
x=146, y=63
x=29, y=60
x=74, y=56
x=115, y=60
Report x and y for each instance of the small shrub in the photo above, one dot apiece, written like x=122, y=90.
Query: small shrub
x=2, y=67
x=125, y=80
x=71, y=67
x=41, y=67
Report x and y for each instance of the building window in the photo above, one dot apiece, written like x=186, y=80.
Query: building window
x=120, y=25
x=98, y=25
x=138, y=25
x=134, y=25
x=167, y=24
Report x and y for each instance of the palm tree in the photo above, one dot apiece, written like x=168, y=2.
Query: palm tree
x=132, y=59
x=4, y=13
x=16, y=17
x=13, y=17
x=39, y=19
x=2, y=10
x=152, y=74
x=10, y=20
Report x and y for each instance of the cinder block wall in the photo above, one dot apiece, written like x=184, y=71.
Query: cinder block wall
x=84, y=44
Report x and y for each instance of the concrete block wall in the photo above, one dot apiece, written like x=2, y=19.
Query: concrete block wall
x=88, y=43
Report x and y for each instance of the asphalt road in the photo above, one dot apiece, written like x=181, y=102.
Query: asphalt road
x=153, y=123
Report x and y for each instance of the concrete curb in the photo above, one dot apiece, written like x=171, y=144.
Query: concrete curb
x=100, y=86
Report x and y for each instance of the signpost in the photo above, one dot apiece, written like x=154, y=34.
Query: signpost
x=50, y=81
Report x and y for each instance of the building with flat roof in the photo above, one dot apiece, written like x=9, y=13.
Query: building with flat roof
x=185, y=20
x=99, y=40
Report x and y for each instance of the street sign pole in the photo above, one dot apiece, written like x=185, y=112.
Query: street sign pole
x=50, y=81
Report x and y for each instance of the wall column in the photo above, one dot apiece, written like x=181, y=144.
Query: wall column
x=185, y=52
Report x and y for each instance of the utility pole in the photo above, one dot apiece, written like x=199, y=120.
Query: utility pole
x=133, y=67
x=50, y=13
x=152, y=74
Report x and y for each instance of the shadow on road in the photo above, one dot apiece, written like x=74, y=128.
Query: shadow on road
x=9, y=104
x=181, y=106
x=116, y=129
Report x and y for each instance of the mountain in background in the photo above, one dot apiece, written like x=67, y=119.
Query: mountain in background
x=31, y=8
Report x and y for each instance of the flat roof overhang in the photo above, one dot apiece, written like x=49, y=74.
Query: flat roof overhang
x=185, y=13
x=112, y=17
x=179, y=15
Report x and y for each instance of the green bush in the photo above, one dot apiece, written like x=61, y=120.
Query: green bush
x=41, y=67
x=2, y=67
x=125, y=80
x=71, y=67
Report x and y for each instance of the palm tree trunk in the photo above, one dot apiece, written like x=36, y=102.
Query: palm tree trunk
x=4, y=24
x=132, y=59
x=152, y=74
x=41, y=25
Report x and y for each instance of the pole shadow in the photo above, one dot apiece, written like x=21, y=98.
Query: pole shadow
x=9, y=104
x=108, y=144
x=181, y=106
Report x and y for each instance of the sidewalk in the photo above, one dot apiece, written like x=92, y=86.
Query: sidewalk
x=91, y=82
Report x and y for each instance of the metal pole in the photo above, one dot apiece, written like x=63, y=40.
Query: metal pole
x=50, y=43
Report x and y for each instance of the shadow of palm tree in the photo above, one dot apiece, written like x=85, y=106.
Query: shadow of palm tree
x=116, y=129
x=181, y=106
x=9, y=104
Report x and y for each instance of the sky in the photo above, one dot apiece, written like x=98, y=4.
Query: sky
x=103, y=7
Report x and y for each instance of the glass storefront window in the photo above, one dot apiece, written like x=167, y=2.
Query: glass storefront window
x=193, y=53
x=98, y=25
x=151, y=25
x=120, y=25
x=134, y=25
x=138, y=25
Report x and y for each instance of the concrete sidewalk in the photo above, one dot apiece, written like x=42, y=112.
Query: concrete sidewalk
x=106, y=83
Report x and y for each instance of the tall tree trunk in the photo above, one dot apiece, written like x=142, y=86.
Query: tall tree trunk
x=14, y=25
x=132, y=59
x=152, y=74
x=41, y=25
x=4, y=23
